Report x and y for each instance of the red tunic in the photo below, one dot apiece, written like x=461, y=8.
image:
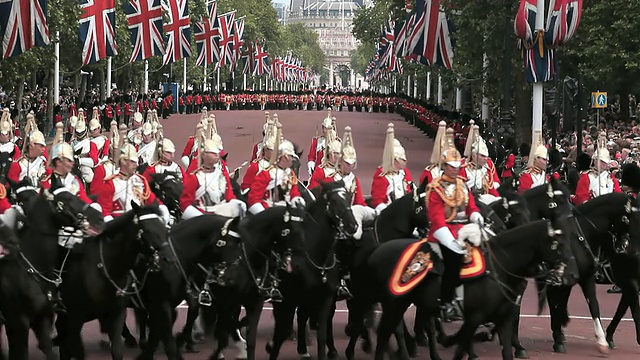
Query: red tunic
x=314, y=154
x=112, y=205
x=191, y=184
x=527, y=180
x=436, y=213
x=380, y=187
x=508, y=166
x=250, y=175
x=585, y=190
x=320, y=175
x=259, y=192
x=151, y=169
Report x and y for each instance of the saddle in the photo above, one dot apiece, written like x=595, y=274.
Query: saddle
x=474, y=264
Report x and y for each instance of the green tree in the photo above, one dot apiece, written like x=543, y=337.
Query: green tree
x=303, y=43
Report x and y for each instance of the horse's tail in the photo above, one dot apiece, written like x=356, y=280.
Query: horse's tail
x=541, y=287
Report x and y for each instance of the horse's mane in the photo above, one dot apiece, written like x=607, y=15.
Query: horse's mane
x=603, y=203
x=199, y=225
x=514, y=236
x=120, y=222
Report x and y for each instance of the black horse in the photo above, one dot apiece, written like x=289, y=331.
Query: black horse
x=167, y=187
x=98, y=283
x=316, y=269
x=625, y=266
x=510, y=256
x=602, y=238
x=29, y=279
x=194, y=263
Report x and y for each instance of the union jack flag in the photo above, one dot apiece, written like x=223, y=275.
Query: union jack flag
x=207, y=36
x=97, y=30
x=262, y=61
x=226, y=23
x=248, y=58
x=237, y=42
x=178, y=31
x=23, y=25
x=145, y=28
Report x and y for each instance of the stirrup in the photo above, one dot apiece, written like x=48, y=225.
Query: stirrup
x=204, y=298
x=343, y=292
x=275, y=295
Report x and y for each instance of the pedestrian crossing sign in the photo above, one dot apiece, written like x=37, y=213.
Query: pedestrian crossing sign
x=599, y=100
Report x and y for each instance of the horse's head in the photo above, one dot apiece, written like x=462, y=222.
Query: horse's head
x=295, y=163
x=548, y=199
x=23, y=193
x=151, y=233
x=6, y=159
x=512, y=209
x=167, y=186
x=337, y=202
x=626, y=229
x=8, y=241
x=70, y=211
x=419, y=199
x=227, y=253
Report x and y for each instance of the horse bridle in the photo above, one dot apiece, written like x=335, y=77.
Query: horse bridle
x=133, y=285
x=163, y=193
x=337, y=222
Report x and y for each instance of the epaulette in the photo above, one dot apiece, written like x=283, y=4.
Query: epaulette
x=3, y=191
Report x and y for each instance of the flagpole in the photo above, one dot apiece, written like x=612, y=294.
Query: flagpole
x=538, y=87
x=204, y=85
x=184, y=75
x=56, y=71
x=146, y=77
x=439, y=89
x=428, y=85
x=218, y=78
x=109, y=77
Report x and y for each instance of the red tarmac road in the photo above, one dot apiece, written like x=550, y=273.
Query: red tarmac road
x=240, y=129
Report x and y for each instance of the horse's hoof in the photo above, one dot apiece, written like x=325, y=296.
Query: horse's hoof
x=293, y=336
x=421, y=339
x=521, y=354
x=306, y=356
x=603, y=349
x=366, y=347
x=268, y=346
x=612, y=344
x=332, y=354
x=130, y=342
x=559, y=348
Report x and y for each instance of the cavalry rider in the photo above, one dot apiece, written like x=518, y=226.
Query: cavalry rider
x=256, y=152
x=191, y=148
x=329, y=167
x=433, y=171
x=346, y=164
x=162, y=160
x=120, y=189
x=108, y=166
x=598, y=180
x=211, y=132
x=316, y=152
x=147, y=147
x=62, y=162
x=6, y=135
x=278, y=183
x=262, y=162
x=392, y=180
x=33, y=162
x=86, y=150
x=135, y=134
x=450, y=205
x=478, y=169
x=535, y=174
x=101, y=141
x=208, y=190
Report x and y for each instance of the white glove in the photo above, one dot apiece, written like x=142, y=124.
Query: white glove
x=86, y=161
x=311, y=165
x=96, y=206
x=445, y=237
x=190, y=212
x=185, y=161
x=380, y=207
x=239, y=204
x=477, y=218
x=166, y=216
x=108, y=218
x=256, y=208
x=298, y=201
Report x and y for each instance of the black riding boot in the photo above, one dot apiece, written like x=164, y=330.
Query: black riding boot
x=450, y=280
